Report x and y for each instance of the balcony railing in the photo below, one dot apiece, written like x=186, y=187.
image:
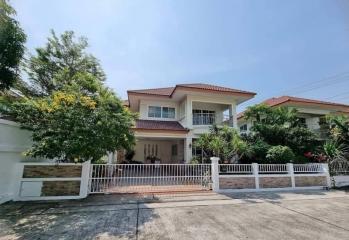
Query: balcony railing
x=204, y=118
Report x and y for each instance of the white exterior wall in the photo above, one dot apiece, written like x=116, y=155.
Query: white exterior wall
x=13, y=142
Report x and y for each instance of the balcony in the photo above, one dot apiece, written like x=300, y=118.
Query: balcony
x=204, y=118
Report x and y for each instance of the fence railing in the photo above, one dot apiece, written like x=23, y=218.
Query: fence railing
x=204, y=118
x=307, y=168
x=276, y=168
x=272, y=168
x=339, y=168
x=147, y=177
x=235, y=169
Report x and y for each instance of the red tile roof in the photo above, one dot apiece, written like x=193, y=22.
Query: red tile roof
x=159, y=125
x=283, y=99
x=198, y=86
x=155, y=91
x=275, y=101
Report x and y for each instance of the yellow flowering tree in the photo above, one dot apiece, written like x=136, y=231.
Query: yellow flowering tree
x=71, y=125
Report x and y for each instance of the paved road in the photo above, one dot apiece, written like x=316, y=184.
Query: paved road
x=302, y=215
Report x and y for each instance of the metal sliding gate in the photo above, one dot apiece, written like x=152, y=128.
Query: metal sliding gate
x=143, y=178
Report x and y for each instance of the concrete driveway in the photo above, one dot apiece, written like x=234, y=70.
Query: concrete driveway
x=298, y=215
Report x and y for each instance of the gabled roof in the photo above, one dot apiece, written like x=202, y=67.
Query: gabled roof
x=284, y=99
x=168, y=91
x=159, y=125
x=277, y=101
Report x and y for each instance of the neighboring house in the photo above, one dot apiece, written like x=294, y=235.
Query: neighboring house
x=311, y=112
x=171, y=118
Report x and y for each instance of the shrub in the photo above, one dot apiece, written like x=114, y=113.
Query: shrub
x=259, y=150
x=280, y=154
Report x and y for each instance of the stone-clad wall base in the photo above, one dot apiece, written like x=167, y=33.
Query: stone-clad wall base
x=236, y=182
x=309, y=181
x=44, y=171
x=62, y=188
x=275, y=182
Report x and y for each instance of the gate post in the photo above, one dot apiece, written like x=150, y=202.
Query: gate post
x=255, y=171
x=85, y=178
x=215, y=173
x=290, y=171
x=326, y=171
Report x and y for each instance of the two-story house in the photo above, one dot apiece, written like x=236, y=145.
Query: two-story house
x=171, y=118
x=311, y=112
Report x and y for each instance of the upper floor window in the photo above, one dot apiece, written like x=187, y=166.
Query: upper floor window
x=154, y=112
x=161, y=112
x=243, y=128
x=203, y=117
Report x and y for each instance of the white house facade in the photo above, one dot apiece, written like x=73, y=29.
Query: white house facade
x=170, y=119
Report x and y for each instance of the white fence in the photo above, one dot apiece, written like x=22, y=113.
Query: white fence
x=46, y=181
x=128, y=178
x=267, y=177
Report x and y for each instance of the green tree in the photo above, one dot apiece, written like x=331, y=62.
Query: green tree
x=56, y=65
x=224, y=142
x=72, y=115
x=12, y=39
x=339, y=128
x=280, y=154
x=281, y=126
x=72, y=126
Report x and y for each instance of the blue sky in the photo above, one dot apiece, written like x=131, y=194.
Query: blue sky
x=272, y=47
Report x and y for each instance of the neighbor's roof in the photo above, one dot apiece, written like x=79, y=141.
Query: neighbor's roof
x=276, y=101
x=168, y=91
x=159, y=125
x=283, y=99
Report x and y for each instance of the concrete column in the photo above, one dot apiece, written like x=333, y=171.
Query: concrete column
x=255, y=171
x=188, y=142
x=326, y=171
x=110, y=157
x=291, y=173
x=85, y=176
x=215, y=173
x=189, y=113
x=233, y=121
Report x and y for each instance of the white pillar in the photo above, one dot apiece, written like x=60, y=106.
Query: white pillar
x=233, y=116
x=110, y=157
x=85, y=176
x=189, y=113
x=326, y=171
x=215, y=173
x=290, y=171
x=188, y=142
x=255, y=171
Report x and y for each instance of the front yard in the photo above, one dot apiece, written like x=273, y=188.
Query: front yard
x=297, y=215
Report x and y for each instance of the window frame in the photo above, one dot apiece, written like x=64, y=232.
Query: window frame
x=170, y=112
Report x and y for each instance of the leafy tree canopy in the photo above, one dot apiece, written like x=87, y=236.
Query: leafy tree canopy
x=12, y=39
x=72, y=126
x=281, y=126
x=224, y=142
x=57, y=64
x=72, y=115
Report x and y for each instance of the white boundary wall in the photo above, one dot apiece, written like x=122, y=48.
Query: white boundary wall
x=28, y=189
x=260, y=172
x=13, y=142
